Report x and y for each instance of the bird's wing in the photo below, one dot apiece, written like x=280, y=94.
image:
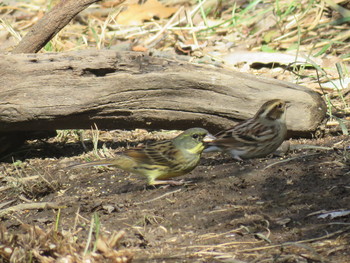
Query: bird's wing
x=159, y=153
x=245, y=133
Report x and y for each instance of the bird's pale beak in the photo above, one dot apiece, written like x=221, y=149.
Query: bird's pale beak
x=209, y=138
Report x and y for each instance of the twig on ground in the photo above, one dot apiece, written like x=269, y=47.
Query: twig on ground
x=290, y=159
x=297, y=242
x=30, y=206
x=158, y=197
x=7, y=203
x=51, y=23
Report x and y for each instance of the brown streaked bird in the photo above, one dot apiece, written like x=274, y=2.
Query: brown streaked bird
x=255, y=137
x=161, y=160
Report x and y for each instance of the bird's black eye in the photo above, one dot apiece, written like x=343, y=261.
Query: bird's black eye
x=195, y=136
x=280, y=106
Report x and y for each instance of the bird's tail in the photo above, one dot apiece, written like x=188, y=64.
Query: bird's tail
x=105, y=162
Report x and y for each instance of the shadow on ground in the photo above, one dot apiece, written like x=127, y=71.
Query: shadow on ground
x=262, y=210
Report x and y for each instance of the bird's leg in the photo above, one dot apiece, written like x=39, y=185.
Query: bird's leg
x=235, y=154
x=236, y=157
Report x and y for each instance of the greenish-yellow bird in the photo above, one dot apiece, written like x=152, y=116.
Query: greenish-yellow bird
x=159, y=161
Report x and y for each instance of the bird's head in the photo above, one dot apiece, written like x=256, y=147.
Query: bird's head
x=193, y=140
x=272, y=110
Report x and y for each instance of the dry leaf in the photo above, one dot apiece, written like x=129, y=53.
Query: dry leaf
x=113, y=3
x=139, y=48
x=137, y=14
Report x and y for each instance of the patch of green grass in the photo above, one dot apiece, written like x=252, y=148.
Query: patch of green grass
x=49, y=47
x=95, y=226
x=95, y=138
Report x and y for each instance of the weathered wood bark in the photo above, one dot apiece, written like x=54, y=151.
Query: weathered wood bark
x=134, y=90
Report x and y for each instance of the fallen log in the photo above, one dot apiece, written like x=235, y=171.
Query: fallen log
x=127, y=90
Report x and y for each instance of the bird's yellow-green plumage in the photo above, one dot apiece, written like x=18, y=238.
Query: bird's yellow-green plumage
x=161, y=160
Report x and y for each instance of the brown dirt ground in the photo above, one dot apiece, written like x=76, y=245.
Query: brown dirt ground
x=261, y=210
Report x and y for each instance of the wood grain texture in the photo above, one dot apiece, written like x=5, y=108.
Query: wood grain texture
x=126, y=90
